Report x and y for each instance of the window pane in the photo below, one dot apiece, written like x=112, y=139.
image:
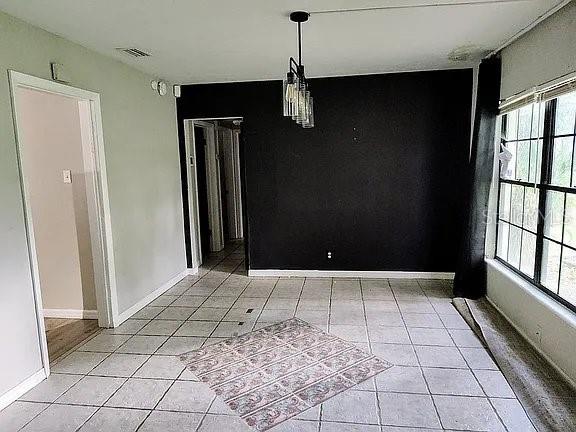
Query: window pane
x=565, y=112
x=514, y=246
x=562, y=161
x=574, y=166
x=502, y=250
x=504, y=207
x=517, y=205
x=535, y=161
x=511, y=126
x=528, y=253
x=525, y=122
x=522, y=160
x=570, y=221
x=538, y=120
x=568, y=276
x=554, y=215
x=550, y=265
x=510, y=172
x=530, y=221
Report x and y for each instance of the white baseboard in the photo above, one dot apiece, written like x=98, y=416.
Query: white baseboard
x=150, y=297
x=192, y=271
x=15, y=393
x=70, y=313
x=351, y=274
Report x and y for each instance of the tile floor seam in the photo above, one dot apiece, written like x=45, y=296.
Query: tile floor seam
x=155, y=406
x=480, y=385
x=168, y=389
x=421, y=370
x=149, y=356
x=378, y=413
x=231, y=306
x=267, y=299
x=321, y=409
x=29, y=421
x=99, y=407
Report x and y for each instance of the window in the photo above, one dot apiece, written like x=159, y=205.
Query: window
x=536, y=232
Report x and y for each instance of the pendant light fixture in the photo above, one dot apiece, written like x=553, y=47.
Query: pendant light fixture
x=298, y=103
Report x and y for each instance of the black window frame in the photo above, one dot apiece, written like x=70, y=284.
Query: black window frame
x=544, y=186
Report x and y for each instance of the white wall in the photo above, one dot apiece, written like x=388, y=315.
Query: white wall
x=143, y=178
x=51, y=141
x=543, y=54
x=546, y=52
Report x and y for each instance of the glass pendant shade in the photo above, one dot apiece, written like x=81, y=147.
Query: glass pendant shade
x=309, y=120
x=286, y=98
x=301, y=116
x=289, y=90
x=296, y=100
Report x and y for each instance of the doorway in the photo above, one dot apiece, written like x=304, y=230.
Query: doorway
x=213, y=186
x=62, y=173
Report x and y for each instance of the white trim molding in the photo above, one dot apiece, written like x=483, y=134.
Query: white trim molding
x=98, y=202
x=192, y=271
x=150, y=297
x=71, y=313
x=22, y=388
x=351, y=274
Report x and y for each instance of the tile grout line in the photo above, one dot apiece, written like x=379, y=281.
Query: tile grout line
x=329, y=324
x=98, y=407
x=378, y=413
x=471, y=371
x=420, y=363
x=214, y=398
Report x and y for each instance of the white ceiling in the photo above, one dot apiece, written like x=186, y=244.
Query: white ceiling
x=195, y=41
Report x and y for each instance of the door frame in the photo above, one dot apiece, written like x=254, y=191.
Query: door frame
x=97, y=198
x=231, y=161
x=237, y=177
x=215, y=213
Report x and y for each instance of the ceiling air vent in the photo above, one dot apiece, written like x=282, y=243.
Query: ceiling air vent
x=134, y=52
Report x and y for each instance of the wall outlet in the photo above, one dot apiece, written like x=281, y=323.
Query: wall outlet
x=329, y=254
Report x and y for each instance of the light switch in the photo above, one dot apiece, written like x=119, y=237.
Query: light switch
x=67, y=176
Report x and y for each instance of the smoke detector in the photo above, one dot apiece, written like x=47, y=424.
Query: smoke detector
x=466, y=53
x=134, y=52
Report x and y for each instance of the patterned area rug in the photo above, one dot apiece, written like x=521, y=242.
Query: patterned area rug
x=272, y=374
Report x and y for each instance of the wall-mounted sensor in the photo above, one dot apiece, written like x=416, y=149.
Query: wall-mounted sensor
x=58, y=73
x=329, y=255
x=177, y=91
x=159, y=86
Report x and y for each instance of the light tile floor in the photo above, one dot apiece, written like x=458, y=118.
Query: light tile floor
x=129, y=378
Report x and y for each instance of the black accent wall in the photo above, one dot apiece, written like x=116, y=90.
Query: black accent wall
x=378, y=182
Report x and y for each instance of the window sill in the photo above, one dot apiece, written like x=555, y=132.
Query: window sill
x=534, y=292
